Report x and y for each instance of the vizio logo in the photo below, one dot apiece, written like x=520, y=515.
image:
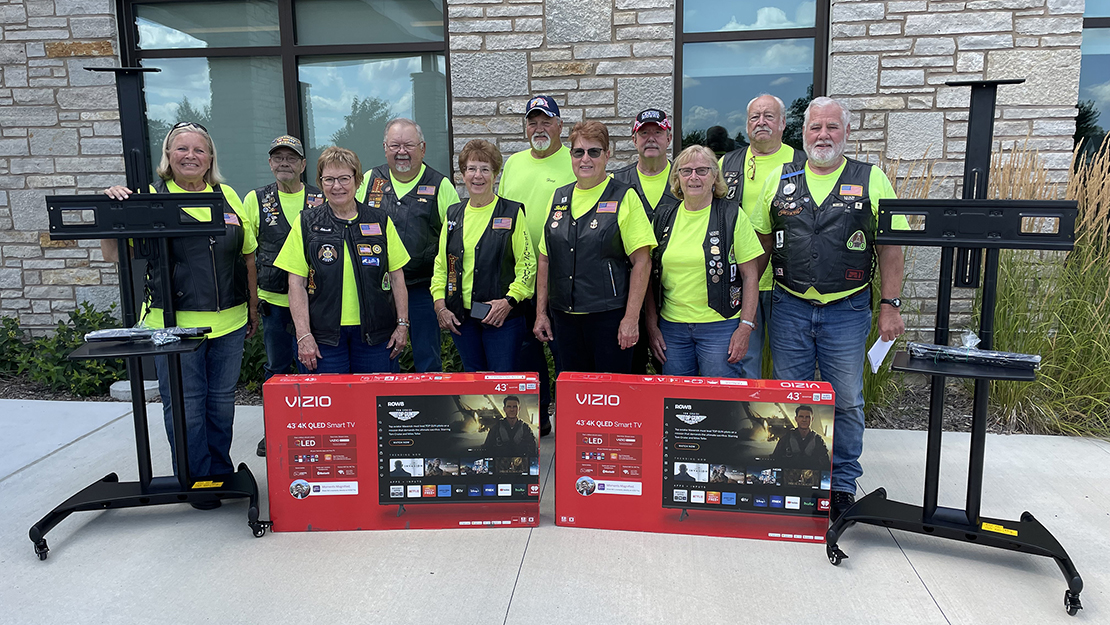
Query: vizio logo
x=308, y=401
x=597, y=400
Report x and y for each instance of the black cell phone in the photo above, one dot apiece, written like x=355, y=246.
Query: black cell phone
x=479, y=310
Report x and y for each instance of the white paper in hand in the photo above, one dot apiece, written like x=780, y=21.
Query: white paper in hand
x=877, y=354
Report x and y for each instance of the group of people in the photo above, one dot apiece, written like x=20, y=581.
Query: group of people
x=694, y=263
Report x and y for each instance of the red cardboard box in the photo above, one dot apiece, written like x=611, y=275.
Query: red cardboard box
x=692, y=456
x=418, y=451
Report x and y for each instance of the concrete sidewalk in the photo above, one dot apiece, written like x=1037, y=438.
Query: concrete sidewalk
x=173, y=564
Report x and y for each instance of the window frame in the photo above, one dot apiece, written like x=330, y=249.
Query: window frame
x=819, y=32
x=288, y=51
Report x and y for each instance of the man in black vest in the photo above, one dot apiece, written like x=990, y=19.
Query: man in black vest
x=820, y=221
x=510, y=436
x=801, y=446
x=744, y=171
x=269, y=212
x=416, y=198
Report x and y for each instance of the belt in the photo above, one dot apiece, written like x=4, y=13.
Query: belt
x=816, y=304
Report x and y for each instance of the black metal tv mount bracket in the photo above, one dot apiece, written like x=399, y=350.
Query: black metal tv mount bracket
x=964, y=228
x=150, y=220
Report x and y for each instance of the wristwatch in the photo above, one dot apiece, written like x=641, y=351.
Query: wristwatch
x=895, y=302
x=512, y=301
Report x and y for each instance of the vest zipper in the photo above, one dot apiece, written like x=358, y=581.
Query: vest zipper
x=612, y=280
x=215, y=275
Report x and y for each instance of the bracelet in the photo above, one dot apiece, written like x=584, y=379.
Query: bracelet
x=303, y=337
x=439, y=310
x=750, y=324
x=404, y=323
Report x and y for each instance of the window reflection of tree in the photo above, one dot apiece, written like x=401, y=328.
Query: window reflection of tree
x=365, y=126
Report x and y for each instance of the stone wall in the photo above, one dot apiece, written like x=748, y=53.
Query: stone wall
x=889, y=62
x=61, y=134
x=603, y=61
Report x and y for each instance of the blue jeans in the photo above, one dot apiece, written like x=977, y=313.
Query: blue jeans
x=353, y=355
x=208, y=379
x=281, y=345
x=752, y=362
x=486, y=348
x=833, y=337
x=424, y=333
x=700, y=348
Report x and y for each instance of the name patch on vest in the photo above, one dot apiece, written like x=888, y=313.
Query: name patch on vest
x=369, y=230
x=364, y=249
x=502, y=223
x=231, y=218
x=856, y=275
x=606, y=207
x=851, y=189
x=327, y=254
x=429, y=189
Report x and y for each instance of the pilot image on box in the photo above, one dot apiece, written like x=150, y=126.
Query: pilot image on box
x=510, y=436
x=683, y=475
x=802, y=446
x=399, y=470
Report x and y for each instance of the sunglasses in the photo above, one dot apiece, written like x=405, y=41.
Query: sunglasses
x=579, y=152
x=188, y=125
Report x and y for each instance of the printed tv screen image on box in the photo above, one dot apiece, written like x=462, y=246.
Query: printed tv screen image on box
x=458, y=449
x=743, y=456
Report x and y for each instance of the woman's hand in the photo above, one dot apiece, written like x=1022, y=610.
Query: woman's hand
x=397, y=341
x=448, y=320
x=499, y=309
x=542, y=329
x=118, y=192
x=656, y=343
x=308, y=352
x=738, y=344
x=252, y=320
x=629, y=331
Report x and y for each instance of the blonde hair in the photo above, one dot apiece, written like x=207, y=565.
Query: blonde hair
x=720, y=189
x=212, y=176
x=341, y=157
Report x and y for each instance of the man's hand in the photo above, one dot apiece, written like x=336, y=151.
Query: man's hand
x=891, y=325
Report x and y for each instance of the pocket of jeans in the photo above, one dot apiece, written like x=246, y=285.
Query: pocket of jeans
x=777, y=295
x=860, y=301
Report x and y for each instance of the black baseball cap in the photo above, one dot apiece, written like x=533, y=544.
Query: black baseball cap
x=651, y=116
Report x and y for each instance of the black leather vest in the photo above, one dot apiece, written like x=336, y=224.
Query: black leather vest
x=209, y=272
x=830, y=247
x=734, y=166
x=722, y=273
x=588, y=270
x=324, y=237
x=631, y=176
x=416, y=217
x=273, y=228
x=494, y=261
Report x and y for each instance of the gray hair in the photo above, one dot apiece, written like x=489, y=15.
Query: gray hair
x=822, y=101
x=778, y=100
x=212, y=176
x=403, y=120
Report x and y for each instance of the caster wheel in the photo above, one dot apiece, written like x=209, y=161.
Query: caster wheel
x=259, y=532
x=835, y=555
x=1072, y=603
x=41, y=549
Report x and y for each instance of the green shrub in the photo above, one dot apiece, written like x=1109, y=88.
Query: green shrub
x=52, y=367
x=253, y=371
x=13, y=348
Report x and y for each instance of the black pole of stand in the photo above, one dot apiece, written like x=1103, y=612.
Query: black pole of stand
x=963, y=229
x=149, y=220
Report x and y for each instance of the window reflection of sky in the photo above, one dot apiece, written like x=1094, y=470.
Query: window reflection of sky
x=731, y=15
x=207, y=24
x=718, y=79
x=1096, y=8
x=1094, y=77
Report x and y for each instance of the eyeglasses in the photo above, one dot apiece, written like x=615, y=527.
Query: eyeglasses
x=685, y=172
x=751, y=167
x=328, y=181
x=474, y=169
x=285, y=159
x=408, y=147
x=187, y=125
x=580, y=152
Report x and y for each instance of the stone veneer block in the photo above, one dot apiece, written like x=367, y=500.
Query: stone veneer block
x=853, y=74
x=915, y=135
x=637, y=94
x=1052, y=76
x=959, y=23
x=489, y=74
x=576, y=21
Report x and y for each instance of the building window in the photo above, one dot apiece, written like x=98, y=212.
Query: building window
x=330, y=72
x=730, y=51
x=1094, y=76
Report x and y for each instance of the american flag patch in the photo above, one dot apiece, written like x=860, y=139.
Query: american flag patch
x=232, y=219
x=426, y=189
x=606, y=207
x=370, y=229
x=502, y=223
x=851, y=189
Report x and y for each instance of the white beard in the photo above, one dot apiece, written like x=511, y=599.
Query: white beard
x=825, y=156
x=539, y=143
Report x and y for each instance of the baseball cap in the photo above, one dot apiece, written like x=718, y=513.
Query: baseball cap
x=543, y=103
x=651, y=116
x=286, y=141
